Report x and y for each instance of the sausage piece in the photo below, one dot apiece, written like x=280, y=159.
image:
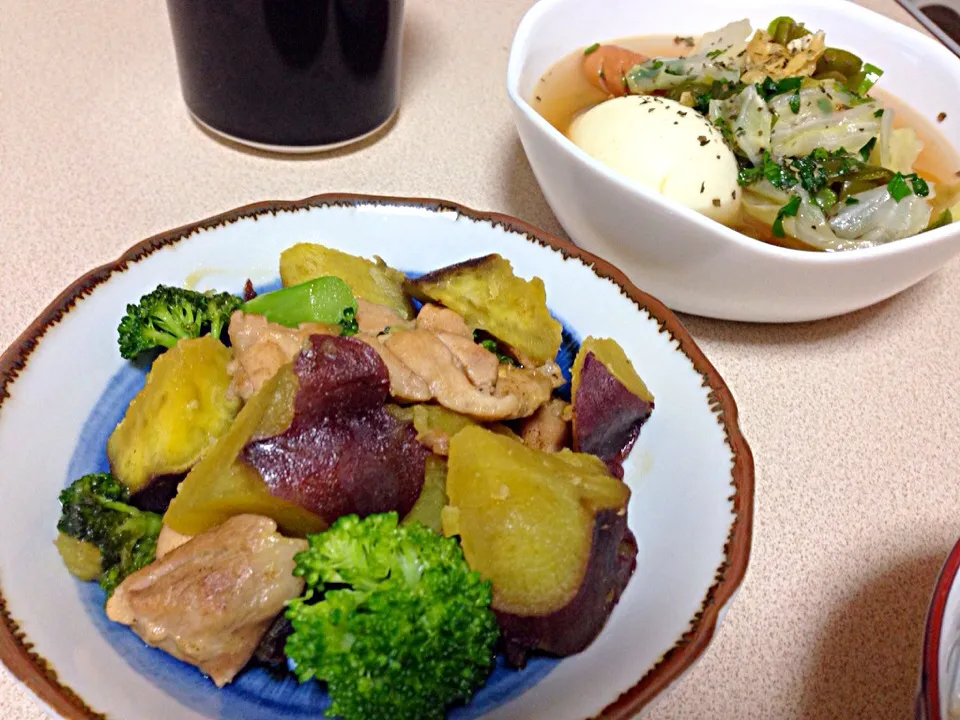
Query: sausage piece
x=607, y=66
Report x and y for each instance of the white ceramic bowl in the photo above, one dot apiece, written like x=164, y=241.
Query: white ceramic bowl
x=63, y=386
x=691, y=263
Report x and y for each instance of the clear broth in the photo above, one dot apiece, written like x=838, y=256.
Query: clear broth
x=564, y=92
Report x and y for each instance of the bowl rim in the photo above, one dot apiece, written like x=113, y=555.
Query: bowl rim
x=515, y=64
x=33, y=671
x=929, y=695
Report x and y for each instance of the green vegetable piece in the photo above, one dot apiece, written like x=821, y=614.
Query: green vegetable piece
x=348, y=324
x=795, y=102
x=95, y=510
x=851, y=201
x=835, y=61
x=592, y=49
x=826, y=107
x=168, y=314
x=862, y=81
x=770, y=88
x=944, y=218
x=404, y=627
x=919, y=185
x=878, y=113
x=831, y=75
x=784, y=29
x=788, y=210
x=898, y=187
x=825, y=199
x=321, y=300
x=868, y=148
x=902, y=185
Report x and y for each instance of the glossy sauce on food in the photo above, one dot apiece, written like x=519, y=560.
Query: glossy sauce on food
x=563, y=92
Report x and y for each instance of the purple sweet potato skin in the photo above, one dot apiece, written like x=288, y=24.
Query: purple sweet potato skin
x=343, y=452
x=572, y=628
x=607, y=417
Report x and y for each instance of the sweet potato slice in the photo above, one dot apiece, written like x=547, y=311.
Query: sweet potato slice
x=221, y=486
x=317, y=443
x=610, y=402
x=488, y=295
x=372, y=280
x=180, y=412
x=545, y=529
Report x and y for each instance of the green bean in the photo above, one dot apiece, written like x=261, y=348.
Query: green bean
x=855, y=187
x=825, y=198
x=872, y=174
x=840, y=61
x=831, y=75
x=784, y=29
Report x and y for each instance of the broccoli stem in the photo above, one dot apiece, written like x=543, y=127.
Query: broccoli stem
x=321, y=300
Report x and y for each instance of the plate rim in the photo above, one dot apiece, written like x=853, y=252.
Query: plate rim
x=34, y=672
x=928, y=697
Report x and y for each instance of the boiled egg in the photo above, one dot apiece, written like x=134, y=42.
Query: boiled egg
x=665, y=146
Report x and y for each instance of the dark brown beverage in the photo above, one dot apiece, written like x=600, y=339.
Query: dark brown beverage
x=289, y=72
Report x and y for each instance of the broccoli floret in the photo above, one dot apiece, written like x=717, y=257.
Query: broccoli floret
x=96, y=510
x=404, y=628
x=167, y=314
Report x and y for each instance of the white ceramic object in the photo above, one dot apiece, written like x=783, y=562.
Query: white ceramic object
x=939, y=692
x=691, y=263
x=63, y=386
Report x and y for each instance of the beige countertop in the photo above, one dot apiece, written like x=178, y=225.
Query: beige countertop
x=853, y=421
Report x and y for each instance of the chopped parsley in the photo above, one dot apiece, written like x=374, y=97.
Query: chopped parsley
x=870, y=74
x=868, y=148
x=717, y=53
x=900, y=186
x=593, y=48
x=813, y=172
x=788, y=210
x=826, y=107
x=795, y=101
x=851, y=201
x=769, y=87
x=491, y=345
x=878, y=113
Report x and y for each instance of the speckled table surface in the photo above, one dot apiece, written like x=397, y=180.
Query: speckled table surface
x=852, y=421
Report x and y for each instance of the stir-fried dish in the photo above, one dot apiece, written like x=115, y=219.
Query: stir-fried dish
x=363, y=479
x=769, y=131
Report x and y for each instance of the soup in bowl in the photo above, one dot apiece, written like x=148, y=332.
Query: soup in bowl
x=748, y=162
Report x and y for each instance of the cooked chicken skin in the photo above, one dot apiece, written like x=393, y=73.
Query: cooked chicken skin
x=261, y=347
x=373, y=318
x=548, y=429
x=425, y=354
x=440, y=319
x=209, y=601
x=434, y=358
x=169, y=540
